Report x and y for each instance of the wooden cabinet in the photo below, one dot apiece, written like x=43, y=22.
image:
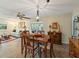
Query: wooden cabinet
x=56, y=33
x=57, y=37
x=74, y=47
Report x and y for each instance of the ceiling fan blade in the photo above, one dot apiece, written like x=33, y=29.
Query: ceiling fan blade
x=26, y=17
x=21, y=16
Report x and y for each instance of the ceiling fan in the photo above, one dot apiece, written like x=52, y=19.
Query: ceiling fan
x=22, y=16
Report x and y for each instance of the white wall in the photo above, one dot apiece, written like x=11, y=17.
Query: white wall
x=76, y=11
x=27, y=24
x=11, y=24
x=65, y=22
x=1, y=22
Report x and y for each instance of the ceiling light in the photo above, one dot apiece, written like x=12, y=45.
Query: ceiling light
x=37, y=16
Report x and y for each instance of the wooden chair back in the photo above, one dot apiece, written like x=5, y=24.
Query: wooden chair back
x=52, y=36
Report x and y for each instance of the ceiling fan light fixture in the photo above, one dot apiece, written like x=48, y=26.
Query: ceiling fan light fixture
x=48, y=1
x=37, y=17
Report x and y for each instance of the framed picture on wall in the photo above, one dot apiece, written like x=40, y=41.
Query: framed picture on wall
x=21, y=24
x=3, y=26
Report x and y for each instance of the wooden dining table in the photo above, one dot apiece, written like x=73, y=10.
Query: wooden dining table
x=40, y=39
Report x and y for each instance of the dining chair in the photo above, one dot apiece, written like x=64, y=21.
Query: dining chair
x=0, y=40
x=22, y=42
x=43, y=45
x=52, y=38
x=28, y=45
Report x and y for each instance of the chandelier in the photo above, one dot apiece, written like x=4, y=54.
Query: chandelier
x=38, y=7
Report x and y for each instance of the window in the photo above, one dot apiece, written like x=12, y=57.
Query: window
x=75, y=26
x=36, y=26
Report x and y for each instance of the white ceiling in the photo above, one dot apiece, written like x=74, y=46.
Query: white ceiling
x=9, y=8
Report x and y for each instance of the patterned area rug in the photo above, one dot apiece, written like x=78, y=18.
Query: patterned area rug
x=60, y=51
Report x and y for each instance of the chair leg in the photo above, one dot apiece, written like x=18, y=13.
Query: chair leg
x=0, y=41
x=51, y=51
x=33, y=53
x=45, y=51
x=39, y=52
x=22, y=47
x=25, y=51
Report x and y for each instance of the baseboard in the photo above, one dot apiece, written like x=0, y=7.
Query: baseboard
x=65, y=42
